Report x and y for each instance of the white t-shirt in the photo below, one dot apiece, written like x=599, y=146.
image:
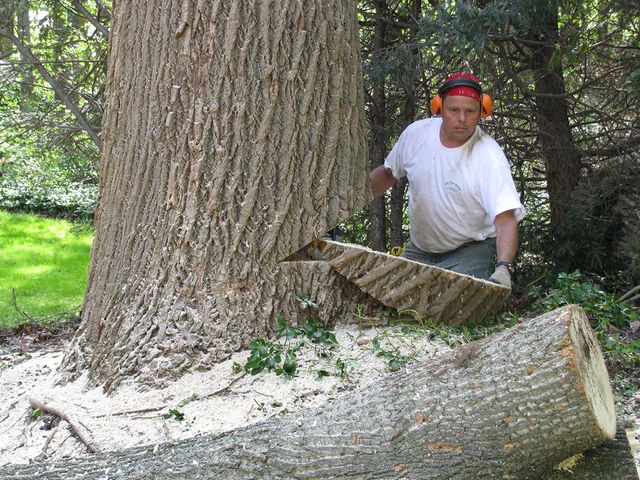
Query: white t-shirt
x=455, y=194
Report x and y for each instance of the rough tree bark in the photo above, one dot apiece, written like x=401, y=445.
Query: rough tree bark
x=234, y=135
x=506, y=406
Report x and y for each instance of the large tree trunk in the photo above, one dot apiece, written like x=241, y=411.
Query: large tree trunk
x=506, y=406
x=234, y=135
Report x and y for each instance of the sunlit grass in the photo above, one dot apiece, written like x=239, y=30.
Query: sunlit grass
x=43, y=262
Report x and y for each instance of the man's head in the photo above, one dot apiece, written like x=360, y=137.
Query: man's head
x=461, y=107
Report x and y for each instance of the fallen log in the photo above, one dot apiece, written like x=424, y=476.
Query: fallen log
x=507, y=406
x=436, y=294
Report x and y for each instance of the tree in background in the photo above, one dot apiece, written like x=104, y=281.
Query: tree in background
x=52, y=67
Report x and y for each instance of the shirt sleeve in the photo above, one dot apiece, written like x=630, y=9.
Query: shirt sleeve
x=396, y=157
x=498, y=190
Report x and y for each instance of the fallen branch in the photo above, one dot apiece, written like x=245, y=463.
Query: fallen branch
x=629, y=293
x=58, y=413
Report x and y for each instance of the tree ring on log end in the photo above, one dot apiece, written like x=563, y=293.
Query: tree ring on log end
x=592, y=372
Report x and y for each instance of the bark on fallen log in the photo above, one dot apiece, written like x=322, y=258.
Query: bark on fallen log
x=507, y=407
x=436, y=294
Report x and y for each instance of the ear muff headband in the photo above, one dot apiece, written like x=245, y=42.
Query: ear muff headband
x=486, y=103
x=459, y=82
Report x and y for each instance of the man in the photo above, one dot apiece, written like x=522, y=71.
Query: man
x=463, y=204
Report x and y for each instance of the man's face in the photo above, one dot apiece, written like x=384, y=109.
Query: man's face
x=460, y=115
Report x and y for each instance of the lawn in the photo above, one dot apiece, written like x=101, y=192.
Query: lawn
x=44, y=263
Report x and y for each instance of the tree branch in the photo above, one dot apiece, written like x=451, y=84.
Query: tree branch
x=93, y=20
x=618, y=149
x=54, y=411
x=57, y=87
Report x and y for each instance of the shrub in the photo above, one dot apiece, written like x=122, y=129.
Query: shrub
x=46, y=188
x=611, y=318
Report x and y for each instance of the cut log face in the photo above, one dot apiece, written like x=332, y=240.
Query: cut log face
x=438, y=295
x=593, y=375
x=507, y=406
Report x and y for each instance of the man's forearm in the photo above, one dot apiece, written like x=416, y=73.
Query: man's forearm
x=381, y=180
x=507, y=236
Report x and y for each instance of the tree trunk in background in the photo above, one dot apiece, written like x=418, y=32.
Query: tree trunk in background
x=7, y=20
x=380, y=136
x=562, y=159
x=396, y=213
x=234, y=135
x=397, y=202
x=507, y=406
x=24, y=34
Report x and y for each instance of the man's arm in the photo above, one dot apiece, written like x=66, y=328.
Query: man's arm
x=506, y=246
x=506, y=236
x=381, y=181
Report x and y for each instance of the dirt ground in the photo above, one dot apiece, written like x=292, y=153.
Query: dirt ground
x=205, y=402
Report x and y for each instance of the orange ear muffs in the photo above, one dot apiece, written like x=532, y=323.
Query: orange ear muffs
x=436, y=104
x=486, y=103
x=486, y=108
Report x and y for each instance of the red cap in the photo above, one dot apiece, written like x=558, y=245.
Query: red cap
x=463, y=90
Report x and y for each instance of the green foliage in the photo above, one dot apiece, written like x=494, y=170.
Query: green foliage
x=280, y=356
x=394, y=357
x=600, y=233
x=174, y=414
x=47, y=163
x=265, y=354
x=44, y=268
x=46, y=192
x=312, y=329
x=610, y=317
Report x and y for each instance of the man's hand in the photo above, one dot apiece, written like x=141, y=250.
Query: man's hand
x=501, y=276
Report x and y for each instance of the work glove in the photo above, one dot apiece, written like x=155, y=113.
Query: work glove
x=501, y=276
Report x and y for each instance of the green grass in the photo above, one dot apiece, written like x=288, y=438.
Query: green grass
x=44, y=262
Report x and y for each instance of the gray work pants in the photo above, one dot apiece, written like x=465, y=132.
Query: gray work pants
x=473, y=258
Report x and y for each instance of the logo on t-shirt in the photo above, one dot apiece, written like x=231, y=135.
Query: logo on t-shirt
x=452, y=186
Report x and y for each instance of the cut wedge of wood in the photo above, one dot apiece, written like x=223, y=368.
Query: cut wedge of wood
x=435, y=294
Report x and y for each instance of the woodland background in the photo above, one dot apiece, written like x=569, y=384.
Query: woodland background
x=564, y=76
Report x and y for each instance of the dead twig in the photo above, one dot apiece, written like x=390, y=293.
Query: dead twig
x=43, y=454
x=58, y=413
x=194, y=397
x=14, y=304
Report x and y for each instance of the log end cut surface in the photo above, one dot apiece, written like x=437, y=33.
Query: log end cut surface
x=592, y=372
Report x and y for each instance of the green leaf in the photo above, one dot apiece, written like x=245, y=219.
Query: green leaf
x=175, y=414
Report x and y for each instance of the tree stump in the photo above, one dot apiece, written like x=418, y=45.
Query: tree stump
x=332, y=296
x=507, y=406
x=438, y=295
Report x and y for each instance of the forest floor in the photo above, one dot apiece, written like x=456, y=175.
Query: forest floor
x=218, y=400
